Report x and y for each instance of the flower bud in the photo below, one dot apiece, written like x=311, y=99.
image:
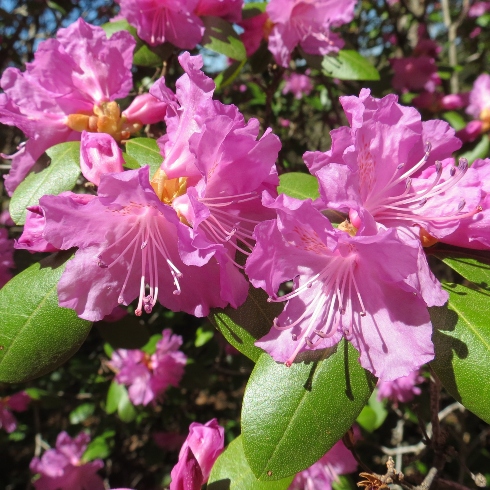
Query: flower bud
x=146, y=109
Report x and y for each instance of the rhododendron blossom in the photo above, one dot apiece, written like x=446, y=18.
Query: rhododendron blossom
x=70, y=86
x=200, y=450
x=159, y=21
x=338, y=461
x=401, y=390
x=307, y=24
x=479, y=108
x=298, y=85
x=355, y=287
x=230, y=10
x=149, y=376
x=13, y=403
x=62, y=468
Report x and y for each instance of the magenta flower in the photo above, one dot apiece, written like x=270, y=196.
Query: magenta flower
x=357, y=287
x=307, y=24
x=203, y=445
x=13, y=403
x=479, y=108
x=297, y=84
x=71, y=85
x=145, y=109
x=230, y=10
x=478, y=8
x=337, y=461
x=128, y=241
x=401, y=390
x=255, y=29
x=380, y=163
x=159, y=21
x=415, y=74
x=149, y=376
x=6, y=257
x=62, y=468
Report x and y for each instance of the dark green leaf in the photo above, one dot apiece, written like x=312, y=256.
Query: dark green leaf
x=473, y=265
x=480, y=150
x=220, y=36
x=61, y=175
x=298, y=185
x=146, y=152
x=462, y=344
x=244, y=325
x=292, y=416
x=349, y=65
x=232, y=472
x=81, y=413
x=37, y=335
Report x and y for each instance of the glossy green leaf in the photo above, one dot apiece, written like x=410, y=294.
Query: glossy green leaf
x=81, y=413
x=61, y=175
x=292, y=416
x=146, y=152
x=298, y=185
x=244, y=325
x=37, y=335
x=473, y=265
x=373, y=414
x=119, y=25
x=480, y=150
x=462, y=345
x=349, y=65
x=220, y=36
x=232, y=472
x=118, y=401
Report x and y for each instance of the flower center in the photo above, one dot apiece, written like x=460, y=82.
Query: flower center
x=168, y=189
x=106, y=118
x=485, y=118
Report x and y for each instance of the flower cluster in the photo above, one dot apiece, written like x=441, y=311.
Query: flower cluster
x=149, y=376
x=401, y=390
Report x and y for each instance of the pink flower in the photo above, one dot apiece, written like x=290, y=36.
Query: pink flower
x=381, y=164
x=203, y=446
x=415, y=74
x=307, y=24
x=256, y=29
x=479, y=8
x=148, y=377
x=13, y=403
x=298, y=85
x=401, y=390
x=99, y=155
x=62, y=468
x=127, y=239
x=6, y=257
x=357, y=287
x=71, y=85
x=230, y=10
x=145, y=109
x=479, y=106
x=337, y=461
x=159, y=21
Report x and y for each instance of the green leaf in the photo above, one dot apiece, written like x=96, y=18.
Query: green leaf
x=232, y=472
x=462, y=345
x=473, y=265
x=130, y=162
x=151, y=346
x=292, y=416
x=220, y=36
x=226, y=77
x=37, y=335
x=126, y=333
x=119, y=25
x=146, y=152
x=81, y=413
x=203, y=335
x=259, y=6
x=244, y=325
x=61, y=175
x=145, y=56
x=100, y=447
x=455, y=119
x=118, y=400
x=480, y=150
x=349, y=65
x=298, y=185
x=373, y=414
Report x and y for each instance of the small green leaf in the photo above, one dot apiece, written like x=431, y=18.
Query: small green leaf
x=220, y=36
x=114, y=395
x=298, y=185
x=244, y=325
x=292, y=416
x=61, y=175
x=455, y=119
x=151, y=346
x=226, y=77
x=146, y=152
x=480, y=150
x=81, y=413
x=349, y=65
x=126, y=410
x=373, y=414
x=37, y=335
x=130, y=162
x=462, y=345
x=203, y=335
x=232, y=472
x=100, y=447
x=119, y=25
x=145, y=56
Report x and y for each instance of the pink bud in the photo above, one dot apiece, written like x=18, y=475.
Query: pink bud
x=19, y=402
x=146, y=109
x=469, y=133
x=454, y=101
x=186, y=474
x=99, y=154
